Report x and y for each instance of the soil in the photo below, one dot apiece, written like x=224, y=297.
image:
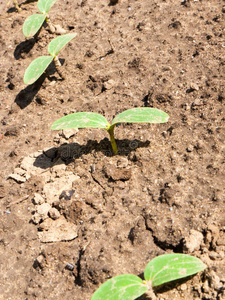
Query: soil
x=72, y=214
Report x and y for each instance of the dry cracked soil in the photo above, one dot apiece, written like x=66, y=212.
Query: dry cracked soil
x=72, y=214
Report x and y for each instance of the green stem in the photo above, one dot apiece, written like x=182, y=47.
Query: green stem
x=50, y=25
x=113, y=142
x=58, y=67
x=16, y=5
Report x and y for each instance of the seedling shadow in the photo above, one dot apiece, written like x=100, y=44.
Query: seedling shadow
x=166, y=286
x=67, y=153
x=13, y=8
x=25, y=97
x=171, y=285
x=113, y=3
x=25, y=47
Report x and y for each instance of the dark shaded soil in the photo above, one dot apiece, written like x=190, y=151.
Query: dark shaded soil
x=64, y=197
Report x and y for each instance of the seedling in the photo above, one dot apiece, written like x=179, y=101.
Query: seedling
x=16, y=5
x=93, y=120
x=33, y=23
x=159, y=270
x=40, y=64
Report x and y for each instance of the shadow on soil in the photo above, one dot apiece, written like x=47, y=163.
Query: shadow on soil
x=165, y=287
x=13, y=9
x=67, y=153
x=24, y=47
x=25, y=97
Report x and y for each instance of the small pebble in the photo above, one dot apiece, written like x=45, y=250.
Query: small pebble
x=205, y=287
x=197, y=102
x=69, y=266
x=38, y=199
x=183, y=287
x=54, y=213
x=193, y=241
x=214, y=280
x=190, y=148
x=122, y=162
x=68, y=133
x=59, y=30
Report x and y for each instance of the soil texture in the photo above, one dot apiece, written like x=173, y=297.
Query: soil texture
x=72, y=214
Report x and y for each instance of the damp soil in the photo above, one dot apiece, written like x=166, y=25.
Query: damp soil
x=72, y=214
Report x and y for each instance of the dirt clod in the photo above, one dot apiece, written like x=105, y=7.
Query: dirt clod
x=193, y=241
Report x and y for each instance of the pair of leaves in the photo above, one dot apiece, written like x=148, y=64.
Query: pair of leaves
x=33, y=23
x=94, y=120
x=40, y=64
x=159, y=270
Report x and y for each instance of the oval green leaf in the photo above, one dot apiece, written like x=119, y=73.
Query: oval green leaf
x=36, y=69
x=58, y=43
x=141, y=115
x=122, y=287
x=32, y=24
x=45, y=5
x=168, y=267
x=81, y=120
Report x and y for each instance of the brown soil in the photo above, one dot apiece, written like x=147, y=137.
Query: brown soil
x=73, y=215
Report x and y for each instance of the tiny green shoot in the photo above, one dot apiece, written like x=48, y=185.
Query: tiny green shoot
x=94, y=120
x=16, y=5
x=159, y=270
x=40, y=64
x=34, y=22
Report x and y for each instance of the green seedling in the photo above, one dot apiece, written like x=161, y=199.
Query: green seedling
x=93, y=120
x=159, y=270
x=40, y=64
x=16, y=5
x=33, y=23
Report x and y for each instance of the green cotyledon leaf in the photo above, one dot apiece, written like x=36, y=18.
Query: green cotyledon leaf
x=45, y=5
x=168, y=267
x=141, y=115
x=58, y=43
x=121, y=287
x=36, y=69
x=32, y=24
x=81, y=120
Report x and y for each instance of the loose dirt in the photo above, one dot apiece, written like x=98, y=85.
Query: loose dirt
x=73, y=215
